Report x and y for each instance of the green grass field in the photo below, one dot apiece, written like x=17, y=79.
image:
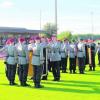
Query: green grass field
x=71, y=87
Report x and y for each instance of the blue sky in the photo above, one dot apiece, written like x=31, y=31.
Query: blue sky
x=73, y=15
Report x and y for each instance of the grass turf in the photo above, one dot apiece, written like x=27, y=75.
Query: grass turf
x=71, y=87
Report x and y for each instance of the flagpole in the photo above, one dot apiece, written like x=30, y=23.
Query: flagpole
x=56, y=17
x=40, y=22
x=92, y=23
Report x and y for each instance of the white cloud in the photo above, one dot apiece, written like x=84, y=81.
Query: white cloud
x=6, y=4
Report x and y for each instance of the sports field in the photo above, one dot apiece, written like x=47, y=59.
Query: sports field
x=71, y=87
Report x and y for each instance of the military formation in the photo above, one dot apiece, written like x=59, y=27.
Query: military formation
x=48, y=55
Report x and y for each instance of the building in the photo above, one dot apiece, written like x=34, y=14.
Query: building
x=6, y=32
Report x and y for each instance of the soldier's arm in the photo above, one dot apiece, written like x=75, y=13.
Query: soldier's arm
x=3, y=49
x=83, y=50
x=15, y=55
x=96, y=48
x=29, y=47
x=27, y=54
x=41, y=56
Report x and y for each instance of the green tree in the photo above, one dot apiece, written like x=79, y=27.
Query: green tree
x=49, y=29
x=65, y=34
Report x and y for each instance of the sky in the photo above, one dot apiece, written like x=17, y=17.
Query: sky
x=77, y=16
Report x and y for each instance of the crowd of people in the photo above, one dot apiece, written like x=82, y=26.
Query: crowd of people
x=48, y=55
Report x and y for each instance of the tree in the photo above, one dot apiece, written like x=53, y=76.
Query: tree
x=75, y=37
x=65, y=34
x=49, y=29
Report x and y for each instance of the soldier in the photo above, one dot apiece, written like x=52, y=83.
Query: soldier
x=45, y=52
x=92, y=47
x=64, y=56
x=31, y=44
x=72, y=59
x=49, y=54
x=5, y=62
x=55, y=58
x=37, y=62
x=98, y=52
x=23, y=61
x=86, y=54
x=11, y=60
x=81, y=55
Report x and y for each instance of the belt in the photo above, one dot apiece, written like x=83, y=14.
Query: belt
x=10, y=56
x=37, y=55
x=80, y=51
x=72, y=51
x=21, y=56
x=62, y=52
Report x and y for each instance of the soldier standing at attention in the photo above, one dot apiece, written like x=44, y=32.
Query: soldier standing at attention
x=92, y=47
x=72, y=59
x=81, y=56
x=49, y=54
x=98, y=52
x=55, y=58
x=23, y=60
x=11, y=60
x=30, y=45
x=64, y=56
x=45, y=53
x=37, y=62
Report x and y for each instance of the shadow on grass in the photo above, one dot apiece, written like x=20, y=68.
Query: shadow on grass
x=69, y=86
x=94, y=74
x=94, y=86
x=94, y=91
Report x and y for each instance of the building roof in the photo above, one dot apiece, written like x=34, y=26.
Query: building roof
x=18, y=30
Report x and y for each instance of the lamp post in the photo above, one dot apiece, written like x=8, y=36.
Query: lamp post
x=56, y=17
x=92, y=23
x=40, y=22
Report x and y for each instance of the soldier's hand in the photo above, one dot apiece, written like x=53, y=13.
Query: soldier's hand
x=41, y=62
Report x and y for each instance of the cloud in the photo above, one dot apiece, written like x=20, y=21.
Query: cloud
x=6, y=4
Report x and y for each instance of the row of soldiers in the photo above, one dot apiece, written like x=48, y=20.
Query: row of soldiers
x=48, y=54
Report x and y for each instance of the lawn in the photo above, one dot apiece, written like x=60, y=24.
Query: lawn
x=71, y=87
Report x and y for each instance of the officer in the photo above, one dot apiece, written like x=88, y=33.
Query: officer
x=11, y=60
x=45, y=53
x=98, y=52
x=92, y=47
x=23, y=60
x=81, y=55
x=49, y=54
x=55, y=58
x=67, y=47
x=5, y=62
x=37, y=62
x=72, y=59
x=30, y=45
x=86, y=54
x=64, y=56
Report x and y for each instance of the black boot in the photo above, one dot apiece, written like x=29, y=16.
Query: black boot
x=11, y=83
x=90, y=68
x=44, y=77
x=74, y=72
x=38, y=86
x=93, y=68
x=70, y=71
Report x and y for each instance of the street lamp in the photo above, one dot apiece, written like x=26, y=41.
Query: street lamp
x=40, y=22
x=92, y=22
x=56, y=24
